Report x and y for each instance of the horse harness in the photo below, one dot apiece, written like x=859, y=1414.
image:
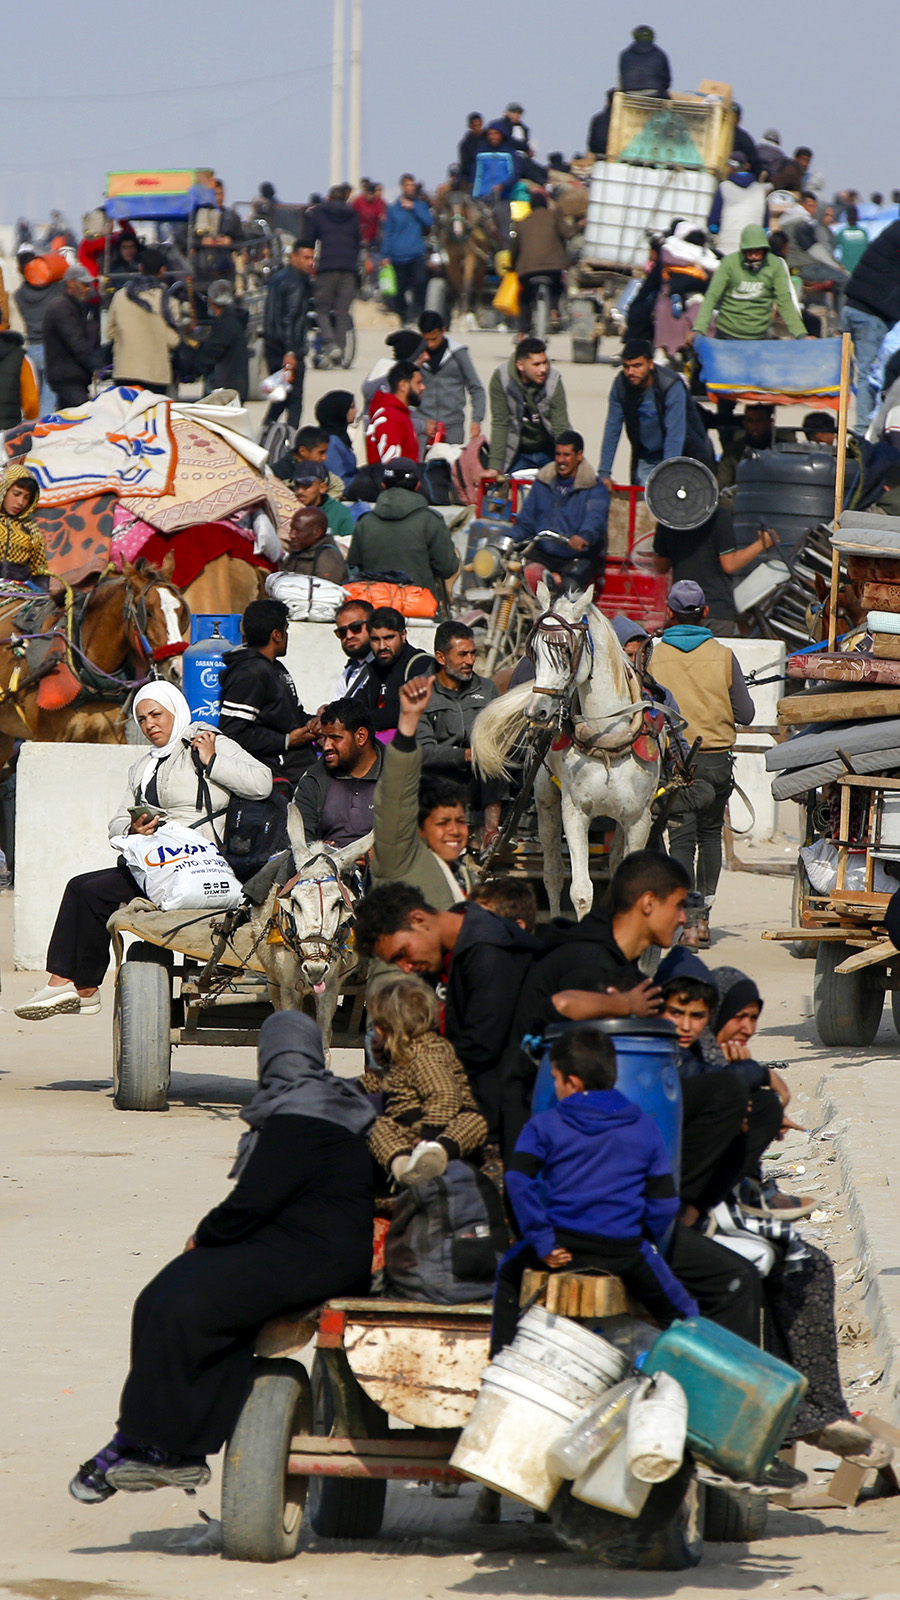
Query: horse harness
x=282, y=928
x=566, y=643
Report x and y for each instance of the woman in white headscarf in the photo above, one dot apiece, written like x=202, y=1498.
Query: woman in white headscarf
x=167, y=779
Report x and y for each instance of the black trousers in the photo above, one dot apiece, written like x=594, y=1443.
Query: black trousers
x=412, y=280
x=294, y=402
x=715, y=1152
x=193, y=1330
x=699, y=833
x=727, y=1288
x=528, y=284
x=71, y=396
x=79, y=943
x=141, y=383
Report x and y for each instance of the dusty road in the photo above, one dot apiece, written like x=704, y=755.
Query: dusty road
x=94, y=1201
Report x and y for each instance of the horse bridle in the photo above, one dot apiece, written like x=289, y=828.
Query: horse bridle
x=135, y=615
x=331, y=946
x=560, y=635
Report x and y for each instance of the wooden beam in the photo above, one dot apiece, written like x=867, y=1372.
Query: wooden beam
x=853, y=706
x=839, y=479
x=882, y=951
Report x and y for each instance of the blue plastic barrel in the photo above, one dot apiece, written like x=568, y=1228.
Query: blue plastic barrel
x=647, y=1073
x=203, y=662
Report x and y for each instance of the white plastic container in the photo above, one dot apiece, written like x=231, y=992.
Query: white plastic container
x=563, y=1383
x=563, y=1346
x=626, y=203
x=610, y=1485
x=504, y=1443
x=657, y=1430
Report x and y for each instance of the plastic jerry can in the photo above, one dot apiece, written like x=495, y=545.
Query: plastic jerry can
x=646, y=1073
x=740, y=1399
x=202, y=665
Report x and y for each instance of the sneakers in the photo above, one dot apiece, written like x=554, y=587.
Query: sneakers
x=781, y=1475
x=90, y=1484
x=428, y=1160
x=89, y=1005
x=56, y=1001
x=137, y=1471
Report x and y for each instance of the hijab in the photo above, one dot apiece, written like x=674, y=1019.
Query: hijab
x=332, y=412
x=294, y=1081
x=735, y=991
x=23, y=521
x=165, y=694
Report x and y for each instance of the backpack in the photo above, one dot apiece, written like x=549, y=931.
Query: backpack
x=254, y=830
x=696, y=439
x=446, y=1239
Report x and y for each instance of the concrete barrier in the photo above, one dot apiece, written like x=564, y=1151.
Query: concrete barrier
x=750, y=770
x=65, y=796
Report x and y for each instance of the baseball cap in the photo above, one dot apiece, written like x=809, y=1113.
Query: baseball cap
x=76, y=273
x=686, y=595
x=310, y=472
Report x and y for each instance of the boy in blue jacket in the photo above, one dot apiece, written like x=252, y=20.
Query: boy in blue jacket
x=591, y=1185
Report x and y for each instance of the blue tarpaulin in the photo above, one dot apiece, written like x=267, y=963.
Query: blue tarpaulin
x=780, y=371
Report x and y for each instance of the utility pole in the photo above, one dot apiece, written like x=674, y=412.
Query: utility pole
x=337, y=94
x=354, y=140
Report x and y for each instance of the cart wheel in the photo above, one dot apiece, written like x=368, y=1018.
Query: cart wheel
x=733, y=1514
x=666, y=1537
x=801, y=949
x=142, y=1043
x=847, y=1007
x=262, y=1505
x=348, y=355
x=344, y=1508
x=895, y=1008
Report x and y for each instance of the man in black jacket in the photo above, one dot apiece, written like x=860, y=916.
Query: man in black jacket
x=394, y=662
x=871, y=307
x=260, y=710
x=224, y=356
x=70, y=354
x=483, y=959
x=469, y=146
x=335, y=226
x=598, y=132
x=289, y=302
x=336, y=797
x=643, y=67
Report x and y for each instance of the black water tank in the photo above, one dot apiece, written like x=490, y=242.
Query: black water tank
x=790, y=489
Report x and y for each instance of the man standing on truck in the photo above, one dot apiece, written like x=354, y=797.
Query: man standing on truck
x=745, y=290
x=644, y=67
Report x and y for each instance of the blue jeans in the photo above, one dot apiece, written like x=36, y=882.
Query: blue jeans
x=35, y=354
x=867, y=332
x=526, y=458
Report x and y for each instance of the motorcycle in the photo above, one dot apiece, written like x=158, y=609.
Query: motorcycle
x=499, y=562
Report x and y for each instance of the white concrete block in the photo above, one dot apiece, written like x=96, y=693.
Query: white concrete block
x=750, y=770
x=315, y=659
x=65, y=796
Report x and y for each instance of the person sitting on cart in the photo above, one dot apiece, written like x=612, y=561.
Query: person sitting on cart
x=296, y=1229
x=458, y=695
x=313, y=486
x=336, y=797
x=528, y=409
x=429, y=1114
x=592, y=1189
x=566, y=499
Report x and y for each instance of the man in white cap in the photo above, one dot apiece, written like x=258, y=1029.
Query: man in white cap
x=708, y=684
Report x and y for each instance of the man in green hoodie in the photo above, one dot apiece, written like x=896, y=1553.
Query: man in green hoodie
x=403, y=534
x=744, y=291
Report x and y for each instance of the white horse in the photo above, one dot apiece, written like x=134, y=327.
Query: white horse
x=583, y=681
x=306, y=950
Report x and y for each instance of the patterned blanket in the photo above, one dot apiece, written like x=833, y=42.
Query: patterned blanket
x=211, y=481
x=121, y=442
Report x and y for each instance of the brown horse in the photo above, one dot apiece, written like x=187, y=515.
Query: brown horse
x=131, y=629
x=467, y=234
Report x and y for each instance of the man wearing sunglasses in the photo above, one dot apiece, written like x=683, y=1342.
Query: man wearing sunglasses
x=352, y=628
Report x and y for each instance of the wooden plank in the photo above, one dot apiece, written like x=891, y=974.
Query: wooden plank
x=882, y=951
x=853, y=706
x=842, y=934
x=839, y=477
x=847, y=667
x=860, y=780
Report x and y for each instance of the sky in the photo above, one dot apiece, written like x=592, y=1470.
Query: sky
x=100, y=87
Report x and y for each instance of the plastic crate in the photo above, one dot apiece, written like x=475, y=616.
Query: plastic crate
x=637, y=594
x=678, y=132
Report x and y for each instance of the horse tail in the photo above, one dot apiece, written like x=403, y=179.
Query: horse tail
x=497, y=730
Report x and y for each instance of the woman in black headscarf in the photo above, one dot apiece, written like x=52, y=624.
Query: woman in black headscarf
x=336, y=412
x=295, y=1230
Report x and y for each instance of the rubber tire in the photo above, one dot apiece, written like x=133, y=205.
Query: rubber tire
x=142, y=1041
x=847, y=1010
x=259, y=1521
x=733, y=1515
x=800, y=949
x=348, y=355
x=895, y=1008
x=344, y=1508
x=142, y=951
x=666, y=1537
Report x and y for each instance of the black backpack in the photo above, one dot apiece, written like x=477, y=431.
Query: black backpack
x=253, y=831
x=446, y=1239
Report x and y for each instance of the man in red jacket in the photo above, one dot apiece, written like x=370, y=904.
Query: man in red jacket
x=391, y=433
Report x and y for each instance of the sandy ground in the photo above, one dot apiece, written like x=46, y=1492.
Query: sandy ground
x=95, y=1201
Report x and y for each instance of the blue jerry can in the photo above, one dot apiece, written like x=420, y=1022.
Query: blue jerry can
x=203, y=661
x=740, y=1400
x=646, y=1073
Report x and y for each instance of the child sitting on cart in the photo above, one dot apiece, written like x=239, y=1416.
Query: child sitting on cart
x=429, y=1114
x=592, y=1188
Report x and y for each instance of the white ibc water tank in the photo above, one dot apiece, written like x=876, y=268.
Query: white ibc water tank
x=626, y=203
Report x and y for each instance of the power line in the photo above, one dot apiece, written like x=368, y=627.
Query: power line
x=185, y=88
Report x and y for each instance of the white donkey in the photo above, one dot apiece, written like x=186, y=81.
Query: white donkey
x=584, y=682
x=306, y=950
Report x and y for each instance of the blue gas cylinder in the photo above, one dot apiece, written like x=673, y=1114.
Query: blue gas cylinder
x=647, y=1073
x=211, y=639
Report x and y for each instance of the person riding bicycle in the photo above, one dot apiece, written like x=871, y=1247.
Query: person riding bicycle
x=538, y=250
x=566, y=499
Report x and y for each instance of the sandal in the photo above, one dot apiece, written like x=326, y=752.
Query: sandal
x=771, y=1204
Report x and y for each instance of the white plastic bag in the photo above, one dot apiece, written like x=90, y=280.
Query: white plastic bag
x=308, y=599
x=179, y=870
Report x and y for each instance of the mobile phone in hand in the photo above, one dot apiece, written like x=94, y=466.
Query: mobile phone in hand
x=146, y=810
